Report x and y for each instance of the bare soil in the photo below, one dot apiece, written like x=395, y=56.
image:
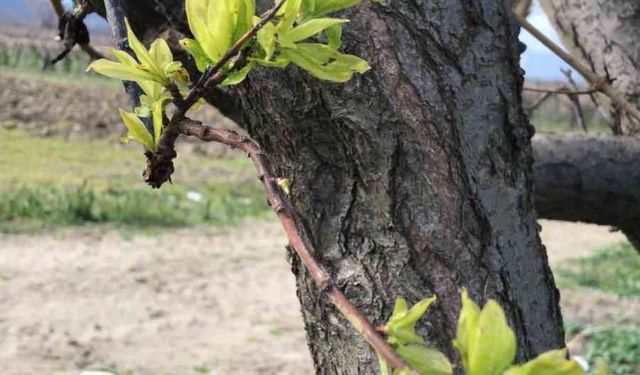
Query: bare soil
x=221, y=300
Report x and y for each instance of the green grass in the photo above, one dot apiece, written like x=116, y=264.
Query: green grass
x=618, y=346
x=614, y=269
x=48, y=182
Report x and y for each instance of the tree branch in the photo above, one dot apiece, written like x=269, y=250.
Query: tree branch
x=72, y=30
x=601, y=84
x=286, y=215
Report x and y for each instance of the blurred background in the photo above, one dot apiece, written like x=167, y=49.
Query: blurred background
x=100, y=272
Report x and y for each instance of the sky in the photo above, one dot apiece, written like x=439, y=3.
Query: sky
x=538, y=62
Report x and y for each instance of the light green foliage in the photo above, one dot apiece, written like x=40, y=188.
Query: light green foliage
x=216, y=26
x=486, y=343
x=402, y=336
x=614, y=269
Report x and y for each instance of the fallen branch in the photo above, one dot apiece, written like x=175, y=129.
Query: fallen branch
x=599, y=83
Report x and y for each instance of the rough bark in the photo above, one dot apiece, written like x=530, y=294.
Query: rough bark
x=414, y=179
x=605, y=35
x=589, y=178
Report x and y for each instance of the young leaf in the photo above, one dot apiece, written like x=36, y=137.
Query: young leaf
x=238, y=76
x=467, y=326
x=267, y=39
x=160, y=53
x=425, y=361
x=308, y=29
x=195, y=50
x=324, y=7
x=120, y=71
x=144, y=57
x=221, y=24
x=158, y=112
x=554, y=362
x=317, y=70
x=494, y=343
x=334, y=36
x=289, y=12
x=137, y=130
x=196, y=11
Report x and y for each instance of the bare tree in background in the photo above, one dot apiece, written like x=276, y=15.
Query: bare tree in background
x=604, y=35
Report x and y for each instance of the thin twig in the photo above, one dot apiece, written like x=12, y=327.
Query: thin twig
x=540, y=101
x=575, y=101
x=561, y=90
x=598, y=82
x=286, y=215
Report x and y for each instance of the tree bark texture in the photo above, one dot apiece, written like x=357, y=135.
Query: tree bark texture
x=589, y=178
x=413, y=179
x=605, y=35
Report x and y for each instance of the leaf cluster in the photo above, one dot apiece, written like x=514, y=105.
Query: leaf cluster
x=300, y=33
x=484, y=340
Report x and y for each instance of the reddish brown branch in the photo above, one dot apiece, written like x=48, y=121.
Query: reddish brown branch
x=601, y=84
x=286, y=215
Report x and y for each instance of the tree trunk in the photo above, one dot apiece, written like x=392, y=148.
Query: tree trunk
x=589, y=178
x=413, y=179
x=605, y=35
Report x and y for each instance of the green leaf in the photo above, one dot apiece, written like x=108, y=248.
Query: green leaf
x=245, y=11
x=554, y=362
x=415, y=313
x=220, y=23
x=160, y=53
x=144, y=57
x=383, y=365
x=315, y=69
x=335, y=60
x=324, y=7
x=238, y=76
x=137, y=130
x=307, y=7
x=196, y=11
x=267, y=39
x=467, y=326
x=289, y=12
x=195, y=50
x=308, y=29
x=124, y=57
x=120, y=71
x=494, y=347
x=158, y=123
x=334, y=36
x=425, y=361
x=278, y=62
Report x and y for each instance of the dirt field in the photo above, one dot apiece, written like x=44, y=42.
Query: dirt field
x=202, y=300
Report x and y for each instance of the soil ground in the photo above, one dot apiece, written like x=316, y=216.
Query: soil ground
x=218, y=301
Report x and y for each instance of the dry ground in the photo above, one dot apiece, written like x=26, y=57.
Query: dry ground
x=221, y=300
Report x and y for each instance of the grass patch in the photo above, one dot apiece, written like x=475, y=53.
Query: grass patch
x=53, y=182
x=618, y=346
x=614, y=269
